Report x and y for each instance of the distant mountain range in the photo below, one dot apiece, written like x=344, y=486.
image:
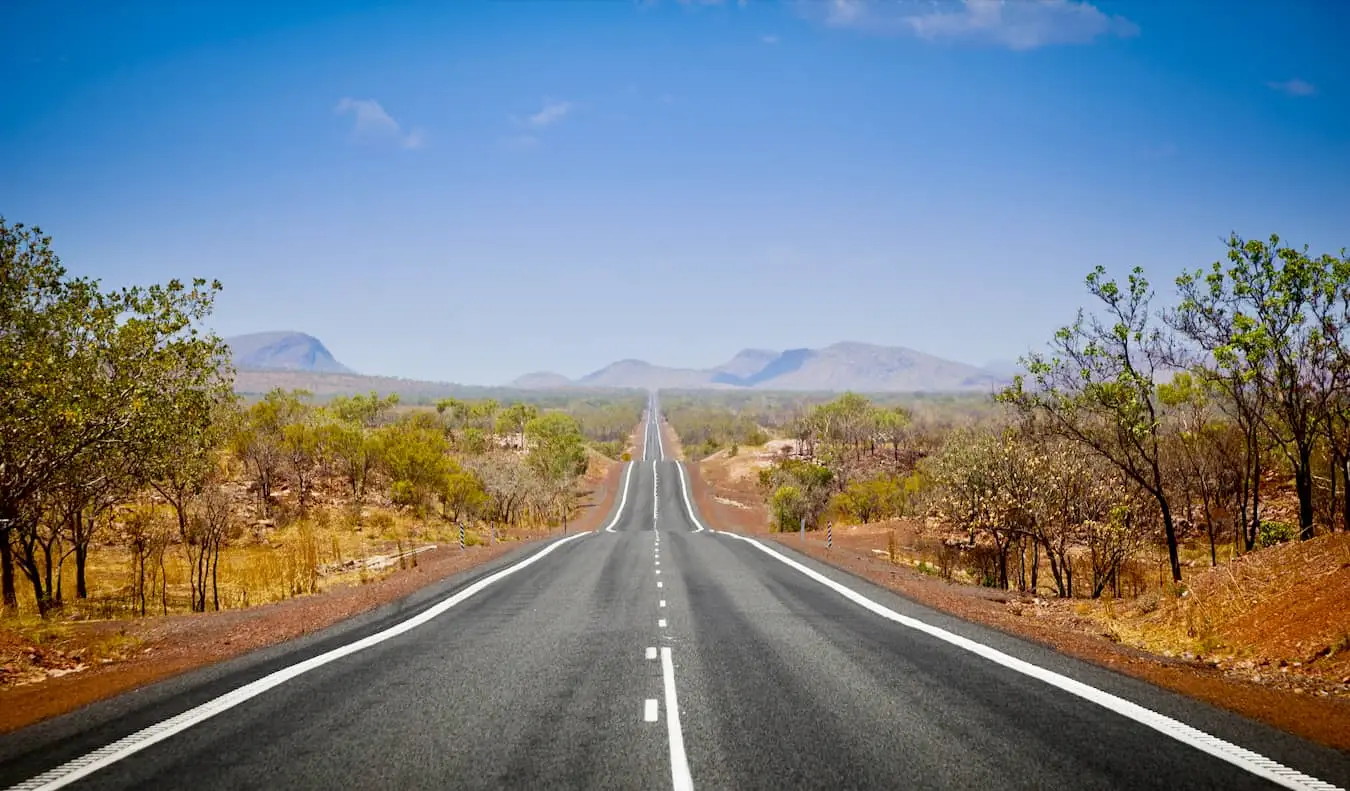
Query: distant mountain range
x=283, y=351
x=270, y=359
x=843, y=366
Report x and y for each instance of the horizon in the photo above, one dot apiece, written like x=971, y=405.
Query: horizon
x=990, y=366
x=474, y=193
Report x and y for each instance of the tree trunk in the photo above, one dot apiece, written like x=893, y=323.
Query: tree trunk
x=9, y=597
x=1170, y=530
x=1303, y=483
x=81, y=558
x=1345, y=492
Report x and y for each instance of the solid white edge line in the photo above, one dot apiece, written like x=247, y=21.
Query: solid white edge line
x=1240, y=757
x=627, y=476
x=649, y=710
x=86, y=765
x=684, y=490
x=679, y=763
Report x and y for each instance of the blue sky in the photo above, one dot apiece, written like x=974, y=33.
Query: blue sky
x=469, y=191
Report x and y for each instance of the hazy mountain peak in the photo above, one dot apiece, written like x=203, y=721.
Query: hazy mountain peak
x=283, y=350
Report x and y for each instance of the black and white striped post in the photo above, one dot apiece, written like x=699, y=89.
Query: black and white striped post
x=829, y=535
x=461, y=536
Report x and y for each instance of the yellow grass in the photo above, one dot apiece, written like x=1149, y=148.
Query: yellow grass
x=301, y=558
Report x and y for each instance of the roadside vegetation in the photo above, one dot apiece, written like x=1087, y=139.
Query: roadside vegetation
x=1143, y=449
x=134, y=482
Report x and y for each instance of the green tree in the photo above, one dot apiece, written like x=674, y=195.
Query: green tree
x=260, y=439
x=415, y=455
x=1097, y=389
x=83, y=370
x=557, y=455
x=1267, y=320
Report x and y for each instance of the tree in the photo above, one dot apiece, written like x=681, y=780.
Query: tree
x=557, y=455
x=414, y=453
x=1264, y=321
x=514, y=418
x=366, y=411
x=1097, y=389
x=893, y=427
x=84, y=370
x=259, y=440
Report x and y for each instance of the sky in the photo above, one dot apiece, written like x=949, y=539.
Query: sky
x=470, y=191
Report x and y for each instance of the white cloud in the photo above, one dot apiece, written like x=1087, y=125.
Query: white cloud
x=552, y=113
x=1015, y=24
x=1294, y=87
x=372, y=122
x=769, y=39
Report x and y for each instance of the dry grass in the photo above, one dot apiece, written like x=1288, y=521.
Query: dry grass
x=1283, y=605
x=328, y=548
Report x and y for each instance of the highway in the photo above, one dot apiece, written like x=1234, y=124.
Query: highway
x=658, y=652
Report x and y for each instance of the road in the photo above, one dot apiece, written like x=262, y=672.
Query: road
x=657, y=653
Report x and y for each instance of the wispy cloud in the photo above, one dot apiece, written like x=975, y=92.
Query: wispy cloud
x=769, y=39
x=1015, y=24
x=552, y=113
x=373, y=123
x=1294, y=87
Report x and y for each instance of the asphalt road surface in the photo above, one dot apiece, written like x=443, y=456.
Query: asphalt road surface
x=658, y=653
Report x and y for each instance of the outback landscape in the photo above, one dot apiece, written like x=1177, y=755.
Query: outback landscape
x=1161, y=492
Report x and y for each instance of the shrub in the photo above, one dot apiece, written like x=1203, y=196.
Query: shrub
x=1273, y=533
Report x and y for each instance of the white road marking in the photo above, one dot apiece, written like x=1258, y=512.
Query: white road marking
x=651, y=652
x=649, y=710
x=627, y=476
x=656, y=498
x=86, y=765
x=659, y=583
x=661, y=623
x=658, y=571
x=684, y=490
x=1240, y=757
x=663, y=602
x=679, y=764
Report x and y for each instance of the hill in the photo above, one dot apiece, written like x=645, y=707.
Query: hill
x=541, y=380
x=841, y=366
x=283, y=351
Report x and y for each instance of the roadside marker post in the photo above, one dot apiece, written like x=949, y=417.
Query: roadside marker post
x=461, y=536
x=803, y=530
x=829, y=535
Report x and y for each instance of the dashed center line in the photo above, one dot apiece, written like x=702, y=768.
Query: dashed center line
x=651, y=652
x=663, y=602
x=661, y=623
x=659, y=584
x=649, y=710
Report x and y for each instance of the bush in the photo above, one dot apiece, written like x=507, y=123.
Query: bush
x=1273, y=533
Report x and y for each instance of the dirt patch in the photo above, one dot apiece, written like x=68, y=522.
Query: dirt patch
x=727, y=502
x=51, y=668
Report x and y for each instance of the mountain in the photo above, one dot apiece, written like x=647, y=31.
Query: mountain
x=637, y=373
x=283, y=351
x=747, y=362
x=842, y=366
x=541, y=380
